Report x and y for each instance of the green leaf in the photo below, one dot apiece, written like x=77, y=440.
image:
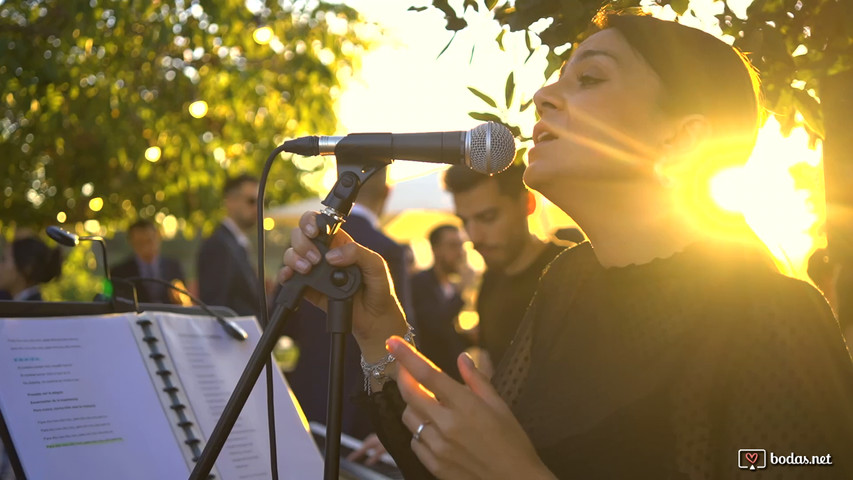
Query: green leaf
x=472, y=4
x=528, y=42
x=554, y=63
x=490, y=4
x=500, y=40
x=485, y=117
x=679, y=6
x=509, y=89
x=525, y=105
x=416, y=9
x=446, y=46
x=484, y=97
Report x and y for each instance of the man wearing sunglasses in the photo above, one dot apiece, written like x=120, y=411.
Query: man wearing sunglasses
x=225, y=273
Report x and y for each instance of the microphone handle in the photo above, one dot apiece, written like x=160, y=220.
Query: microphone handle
x=435, y=147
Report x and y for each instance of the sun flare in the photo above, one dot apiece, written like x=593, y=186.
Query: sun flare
x=780, y=193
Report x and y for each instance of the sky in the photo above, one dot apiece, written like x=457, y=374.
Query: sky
x=404, y=86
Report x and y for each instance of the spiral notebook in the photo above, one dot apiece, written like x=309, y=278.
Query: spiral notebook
x=135, y=396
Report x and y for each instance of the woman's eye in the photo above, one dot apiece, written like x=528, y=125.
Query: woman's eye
x=586, y=80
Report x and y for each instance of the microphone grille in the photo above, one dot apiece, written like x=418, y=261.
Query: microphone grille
x=491, y=148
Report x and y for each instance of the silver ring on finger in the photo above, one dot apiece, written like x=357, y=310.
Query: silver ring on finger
x=417, y=434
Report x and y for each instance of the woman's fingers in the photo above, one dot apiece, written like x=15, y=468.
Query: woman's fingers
x=376, y=314
x=350, y=253
x=303, y=246
x=437, y=454
x=284, y=274
x=308, y=223
x=303, y=253
x=478, y=382
x=425, y=373
x=343, y=251
x=295, y=262
x=309, y=226
x=413, y=421
x=417, y=396
x=301, y=238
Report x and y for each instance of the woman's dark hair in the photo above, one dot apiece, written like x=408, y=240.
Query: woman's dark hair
x=700, y=74
x=36, y=261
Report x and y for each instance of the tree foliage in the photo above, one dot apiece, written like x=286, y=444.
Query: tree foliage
x=96, y=98
x=793, y=43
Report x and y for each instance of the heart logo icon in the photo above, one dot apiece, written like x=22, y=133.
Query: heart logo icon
x=752, y=457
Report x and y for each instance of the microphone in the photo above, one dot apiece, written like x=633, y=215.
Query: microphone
x=64, y=237
x=488, y=148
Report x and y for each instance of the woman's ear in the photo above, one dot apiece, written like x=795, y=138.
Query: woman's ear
x=681, y=148
x=687, y=135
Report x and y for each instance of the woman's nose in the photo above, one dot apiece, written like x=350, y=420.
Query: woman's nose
x=545, y=99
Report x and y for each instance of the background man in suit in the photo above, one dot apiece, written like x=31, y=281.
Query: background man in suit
x=225, y=273
x=494, y=211
x=146, y=261
x=308, y=325
x=437, y=299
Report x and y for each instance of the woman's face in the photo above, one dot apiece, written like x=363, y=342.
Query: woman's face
x=601, y=123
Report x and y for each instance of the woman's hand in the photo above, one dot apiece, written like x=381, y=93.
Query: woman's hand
x=461, y=431
x=376, y=313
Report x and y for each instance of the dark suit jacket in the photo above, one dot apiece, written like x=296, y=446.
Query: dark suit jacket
x=436, y=335
x=360, y=229
x=170, y=270
x=225, y=275
x=307, y=327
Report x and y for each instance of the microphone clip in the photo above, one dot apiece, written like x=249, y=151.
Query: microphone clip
x=352, y=173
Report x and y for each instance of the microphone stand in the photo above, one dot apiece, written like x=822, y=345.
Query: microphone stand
x=339, y=285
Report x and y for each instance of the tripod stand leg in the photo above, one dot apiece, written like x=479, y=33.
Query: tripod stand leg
x=339, y=325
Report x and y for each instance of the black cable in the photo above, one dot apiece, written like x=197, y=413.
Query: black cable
x=264, y=311
x=233, y=330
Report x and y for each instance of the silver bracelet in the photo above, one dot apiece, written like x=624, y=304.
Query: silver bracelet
x=376, y=370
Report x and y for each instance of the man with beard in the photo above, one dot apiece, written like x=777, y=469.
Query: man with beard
x=494, y=212
x=225, y=273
